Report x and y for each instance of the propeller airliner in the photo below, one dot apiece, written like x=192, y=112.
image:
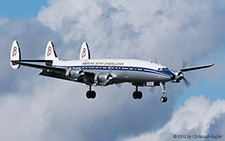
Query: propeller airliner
x=103, y=72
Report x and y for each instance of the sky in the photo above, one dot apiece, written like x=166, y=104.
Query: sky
x=22, y=8
x=33, y=107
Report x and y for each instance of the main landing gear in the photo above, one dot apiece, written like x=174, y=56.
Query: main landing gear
x=137, y=94
x=90, y=94
x=163, y=98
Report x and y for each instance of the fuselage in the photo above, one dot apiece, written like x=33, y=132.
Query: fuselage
x=125, y=70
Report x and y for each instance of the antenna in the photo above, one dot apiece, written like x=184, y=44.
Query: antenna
x=155, y=60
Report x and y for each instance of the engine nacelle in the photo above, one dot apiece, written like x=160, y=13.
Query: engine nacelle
x=103, y=79
x=74, y=73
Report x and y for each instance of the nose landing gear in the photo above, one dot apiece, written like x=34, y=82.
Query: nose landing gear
x=163, y=98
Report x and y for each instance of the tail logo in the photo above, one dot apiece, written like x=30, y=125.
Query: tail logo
x=14, y=51
x=49, y=51
x=84, y=53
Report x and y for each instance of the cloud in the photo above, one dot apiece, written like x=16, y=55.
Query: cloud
x=39, y=108
x=144, y=30
x=3, y=21
x=198, y=116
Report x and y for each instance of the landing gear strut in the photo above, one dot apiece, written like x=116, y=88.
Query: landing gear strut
x=137, y=94
x=163, y=98
x=90, y=94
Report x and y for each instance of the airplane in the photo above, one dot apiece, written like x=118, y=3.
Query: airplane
x=103, y=72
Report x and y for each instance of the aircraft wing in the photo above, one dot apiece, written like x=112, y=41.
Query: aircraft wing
x=56, y=72
x=195, y=68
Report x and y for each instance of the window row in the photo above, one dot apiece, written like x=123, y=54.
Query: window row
x=111, y=68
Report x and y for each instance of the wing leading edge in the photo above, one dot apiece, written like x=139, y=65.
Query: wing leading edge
x=196, y=68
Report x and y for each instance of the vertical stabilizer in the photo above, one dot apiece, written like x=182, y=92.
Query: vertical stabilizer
x=84, y=52
x=50, y=53
x=15, y=55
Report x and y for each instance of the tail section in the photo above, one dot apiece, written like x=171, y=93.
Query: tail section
x=50, y=53
x=84, y=52
x=15, y=55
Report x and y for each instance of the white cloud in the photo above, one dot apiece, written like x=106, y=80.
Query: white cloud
x=3, y=21
x=196, y=117
x=168, y=30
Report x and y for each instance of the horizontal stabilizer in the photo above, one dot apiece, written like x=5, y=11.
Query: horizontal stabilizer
x=49, y=68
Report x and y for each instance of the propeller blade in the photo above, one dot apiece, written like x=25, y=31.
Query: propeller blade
x=152, y=89
x=186, y=82
x=119, y=85
x=184, y=64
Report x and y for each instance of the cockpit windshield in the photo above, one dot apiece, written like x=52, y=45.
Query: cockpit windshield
x=165, y=69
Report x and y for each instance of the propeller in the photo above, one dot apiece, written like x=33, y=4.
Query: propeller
x=119, y=85
x=180, y=76
x=184, y=64
x=186, y=82
x=152, y=89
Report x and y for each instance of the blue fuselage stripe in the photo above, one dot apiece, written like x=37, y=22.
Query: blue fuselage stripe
x=122, y=68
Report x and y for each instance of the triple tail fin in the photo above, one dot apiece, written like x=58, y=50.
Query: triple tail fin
x=50, y=53
x=15, y=55
x=85, y=52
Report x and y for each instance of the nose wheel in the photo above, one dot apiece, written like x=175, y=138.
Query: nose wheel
x=163, y=99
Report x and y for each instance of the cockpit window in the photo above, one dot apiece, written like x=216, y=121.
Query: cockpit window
x=163, y=69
